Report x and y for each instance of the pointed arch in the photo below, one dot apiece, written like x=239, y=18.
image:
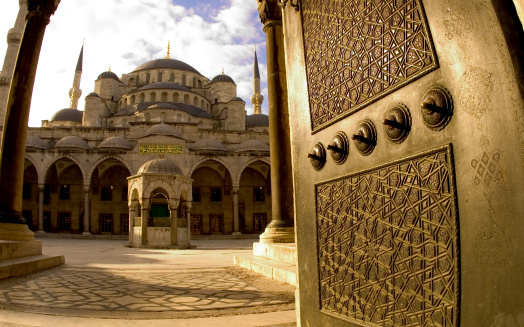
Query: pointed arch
x=108, y=157
x=201, y=161
x=247, y=164
x=83, y=169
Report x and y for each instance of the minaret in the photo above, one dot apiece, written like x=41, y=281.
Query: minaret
x=256, y=98
x=14, y=36
x=75, y=92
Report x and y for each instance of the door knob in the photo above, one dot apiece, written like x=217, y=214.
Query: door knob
x=339, y=148
x=365, y=137
x=437, y=107
x=397, y=123
x=317, y=156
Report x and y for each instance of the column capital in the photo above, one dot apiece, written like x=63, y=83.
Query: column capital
x=235, y=189
x=41, y=8
x=41, y=187
x=174, y=203
x=269, y=10
x=188, y=206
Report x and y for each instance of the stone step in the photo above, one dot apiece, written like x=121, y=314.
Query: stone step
x=281, y=252
x=17, y=249
x=280, y=271
x=28, y=265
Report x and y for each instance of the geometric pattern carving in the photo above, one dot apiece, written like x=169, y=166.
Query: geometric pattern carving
x=388, y=244
x=358, y=51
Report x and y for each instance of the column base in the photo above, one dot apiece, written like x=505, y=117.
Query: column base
x=40, y=232
x=87, y=233
x=16, y=232
x=278, y=235
x=236, y=233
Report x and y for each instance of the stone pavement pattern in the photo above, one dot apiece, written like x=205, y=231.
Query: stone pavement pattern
x=104, y=280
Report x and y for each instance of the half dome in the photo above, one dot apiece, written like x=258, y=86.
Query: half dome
x=222, y=78
x=160, y=166
x=68, y=114
x=163, y=129
x=253, y=146
x=257, y=120
x=209, y=145
x=115, y=143
x=167, y=63
x=34, y=142
x=72, y=142
x=108, y=74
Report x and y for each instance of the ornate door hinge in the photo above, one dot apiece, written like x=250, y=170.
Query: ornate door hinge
x=293, y=3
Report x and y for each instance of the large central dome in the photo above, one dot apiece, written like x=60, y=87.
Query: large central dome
x=167, y=63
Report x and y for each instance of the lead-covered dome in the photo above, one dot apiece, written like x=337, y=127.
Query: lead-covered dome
x=108, y=74
x=68, y=114
x=34, y=142
x=209, y=145
x=167, y=63
x=257, y=120
x=115, y=143
x=72, y=142
x=253, y=146
x=160, y=166
x=163, y=129
x=222, y=78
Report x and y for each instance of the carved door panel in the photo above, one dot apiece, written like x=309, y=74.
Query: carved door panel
x=397, y=108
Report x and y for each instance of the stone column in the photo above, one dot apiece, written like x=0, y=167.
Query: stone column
x=281, y=228
x=188, y=222
x=41, y=188
x=12, y=152
x=145, y=221
x=87, y=212
x=174, y=221
x=132, y=214
x=236, y=216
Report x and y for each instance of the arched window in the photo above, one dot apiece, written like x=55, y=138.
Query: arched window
x=186, y=99
x=148, y=117
x=152, y=97
x=111, y=124
x=148, y=78
x=178, y=118
x=163, y=116
x=172, y=77
x=164, y=96
x=195, y=101
x=142, y=98
x=133, y=99
x=137, y=80
x=124, y=123
x=159, y=78
x=175, y=97
x=207, y=107
x=184, y=79
x=199, y=83
x=202, y=105
x=200, y=124
x=194, y=82
x=131, y=82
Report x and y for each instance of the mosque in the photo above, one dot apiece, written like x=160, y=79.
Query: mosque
x=161, y=141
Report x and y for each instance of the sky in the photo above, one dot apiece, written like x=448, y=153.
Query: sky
x=209, y=35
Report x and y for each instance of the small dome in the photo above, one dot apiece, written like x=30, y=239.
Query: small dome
x=115, y=142
x=163, y=129
x=108, y=74
x=222, y=78
x=253, y=146
x=160, y=166
x=68, y=114
x=164, y=85
x=257, y=120
x=93, y=94
x=34, y=142
x=72, y=142
x=208, y=145
x=237, y=99
x=167, y=63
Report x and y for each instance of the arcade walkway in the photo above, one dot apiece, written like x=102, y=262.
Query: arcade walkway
x=104, y=283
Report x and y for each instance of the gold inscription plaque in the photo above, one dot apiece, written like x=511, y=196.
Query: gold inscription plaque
x=388, y=244
x=358, y=51
x=160, y=149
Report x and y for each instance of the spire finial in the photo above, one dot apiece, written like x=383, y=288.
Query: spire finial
x=222, y=71
x=168, y=48
x=109, y=68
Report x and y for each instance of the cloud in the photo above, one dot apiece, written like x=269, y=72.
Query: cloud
x=124, y=34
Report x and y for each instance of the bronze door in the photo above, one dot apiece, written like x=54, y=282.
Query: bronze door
x=397, y=112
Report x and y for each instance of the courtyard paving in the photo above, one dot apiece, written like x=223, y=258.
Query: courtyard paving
x=105, y=283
